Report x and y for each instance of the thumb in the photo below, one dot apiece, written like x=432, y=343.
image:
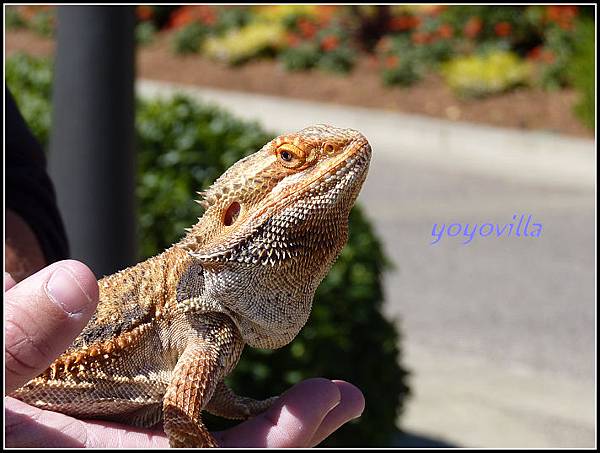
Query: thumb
x=44, y=313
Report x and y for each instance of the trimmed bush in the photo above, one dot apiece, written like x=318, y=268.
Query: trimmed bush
x=182, y=147
x=145, y=33
x=582, y=72
x=189, y=38
x=30, y=81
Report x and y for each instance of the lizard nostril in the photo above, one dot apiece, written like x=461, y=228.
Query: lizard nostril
x=231, y=213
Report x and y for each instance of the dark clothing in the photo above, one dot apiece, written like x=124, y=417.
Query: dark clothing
x=29, y=191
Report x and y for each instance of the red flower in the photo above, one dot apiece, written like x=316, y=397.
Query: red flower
x=293, y=40
x=330, y=43
x=403, y=23
x=445, y=31
x=325, y=13
x=188, y=14
x=208, y=16
x=540, y=54
x=473, y=27
x=144, y=12
x=534, y=54
x=502, y=29
x=307, y=28
x=420, y=37
x=434, y=10
x=391, y=61
x=29, y=12
x=181, y=17
x=562, y=15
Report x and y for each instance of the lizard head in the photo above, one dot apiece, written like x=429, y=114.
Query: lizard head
x=274, y=224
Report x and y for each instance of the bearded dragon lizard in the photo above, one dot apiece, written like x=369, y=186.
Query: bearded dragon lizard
x=167, y=331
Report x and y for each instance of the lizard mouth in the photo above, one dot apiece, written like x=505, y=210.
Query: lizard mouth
x=337, y=173
x=330, y=174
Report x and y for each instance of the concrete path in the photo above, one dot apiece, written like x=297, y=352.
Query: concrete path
x=499, y=334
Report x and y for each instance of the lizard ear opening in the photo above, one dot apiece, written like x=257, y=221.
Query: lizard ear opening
x=231, y=214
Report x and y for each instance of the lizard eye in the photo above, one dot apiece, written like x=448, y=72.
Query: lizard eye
x=290, y=156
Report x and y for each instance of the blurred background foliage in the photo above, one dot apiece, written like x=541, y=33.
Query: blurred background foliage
x=478, y=49
x=581, y=71
x=183, y=146
x=477, y=76
x=30, y=81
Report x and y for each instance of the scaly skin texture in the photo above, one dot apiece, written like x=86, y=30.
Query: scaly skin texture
x=168, y=330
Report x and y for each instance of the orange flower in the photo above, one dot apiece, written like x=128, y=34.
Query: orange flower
x=420, y=37
x=29, y=12
x=562, y=15
x=144, y=12
x=205, y=14
x=502, y=29
x=188, y=14
x=208, y=16
x=391, y=61
x=307, y=28
x=403, y=23
x=293, y=40
x=548, y=57
x=534, y=54
x=330, y=43
x=473, y=27
x=181, y=17
x=540, y=54
x=325, y=13
x=433, y=10
x=445, y=31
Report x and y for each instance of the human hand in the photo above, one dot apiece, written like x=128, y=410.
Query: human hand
x=23, y=254
x=46, y=311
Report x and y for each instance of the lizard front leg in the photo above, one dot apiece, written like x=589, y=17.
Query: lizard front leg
x=202, y=365
x=225, y=403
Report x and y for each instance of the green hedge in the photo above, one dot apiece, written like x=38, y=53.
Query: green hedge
x=582, y=72
x=30, y=81
x=182, y=147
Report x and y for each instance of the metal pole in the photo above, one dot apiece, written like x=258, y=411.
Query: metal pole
x=91, y=158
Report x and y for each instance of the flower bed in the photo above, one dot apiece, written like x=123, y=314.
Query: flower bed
x=480, y=51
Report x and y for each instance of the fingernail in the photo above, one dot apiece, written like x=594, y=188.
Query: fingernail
x=65, y=291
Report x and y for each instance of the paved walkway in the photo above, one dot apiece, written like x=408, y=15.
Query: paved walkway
x=499, y=334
